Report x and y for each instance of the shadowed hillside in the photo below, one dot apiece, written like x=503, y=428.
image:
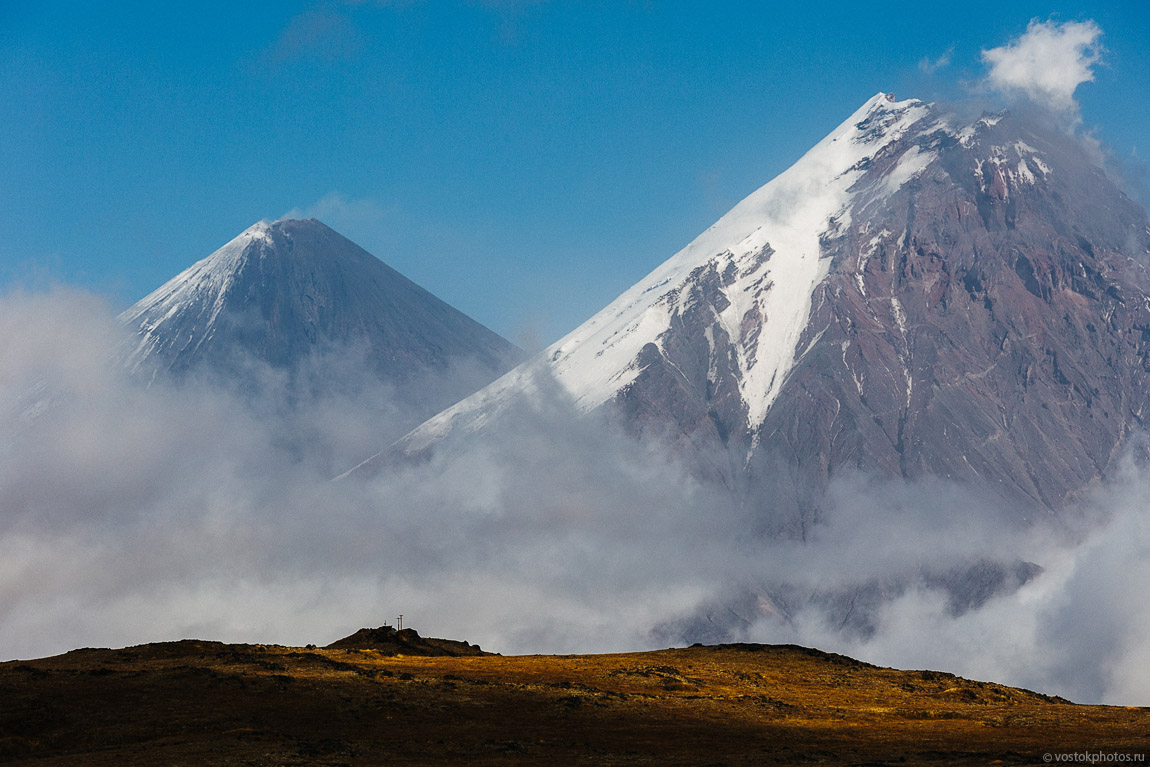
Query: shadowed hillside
x=207, y=703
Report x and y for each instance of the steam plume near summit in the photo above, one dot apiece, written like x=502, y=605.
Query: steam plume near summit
x=133, y=514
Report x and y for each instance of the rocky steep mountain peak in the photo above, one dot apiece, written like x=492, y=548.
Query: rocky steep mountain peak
x=919, y=295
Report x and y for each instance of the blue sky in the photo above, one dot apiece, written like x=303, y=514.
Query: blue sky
x=524, y=160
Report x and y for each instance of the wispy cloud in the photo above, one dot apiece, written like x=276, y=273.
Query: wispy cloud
x=322, y=34
x=1047, y=63
x=929, y=66
x=337, y=210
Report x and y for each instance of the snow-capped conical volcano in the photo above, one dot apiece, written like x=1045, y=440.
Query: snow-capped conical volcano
x=283, y=291
x=917, y=295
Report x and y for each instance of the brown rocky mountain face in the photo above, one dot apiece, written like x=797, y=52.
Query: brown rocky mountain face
x=996, y=335
x=987, y=322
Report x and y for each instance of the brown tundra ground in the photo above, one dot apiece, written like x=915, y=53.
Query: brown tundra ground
x=206, y=703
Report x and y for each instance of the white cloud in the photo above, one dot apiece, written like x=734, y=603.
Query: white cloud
x=929, y=66
x=1047, y=63
x=132, y=514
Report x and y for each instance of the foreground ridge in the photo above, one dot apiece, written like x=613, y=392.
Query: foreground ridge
x=214, y=703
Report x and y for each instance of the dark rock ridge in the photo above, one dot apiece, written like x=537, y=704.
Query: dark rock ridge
x=281, y=294
x=390, y=641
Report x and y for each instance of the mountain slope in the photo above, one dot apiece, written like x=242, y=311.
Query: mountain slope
x=295, y=302
x=280, y=289
x=985, y=323
x=917, y=295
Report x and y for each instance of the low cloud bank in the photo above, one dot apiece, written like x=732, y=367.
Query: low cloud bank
x=131, y=514
x=1079, y=628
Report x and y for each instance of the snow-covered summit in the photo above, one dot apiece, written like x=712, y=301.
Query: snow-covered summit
x=283, y=290
x=767, y=252
x=767, y=247
x=205, y=284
